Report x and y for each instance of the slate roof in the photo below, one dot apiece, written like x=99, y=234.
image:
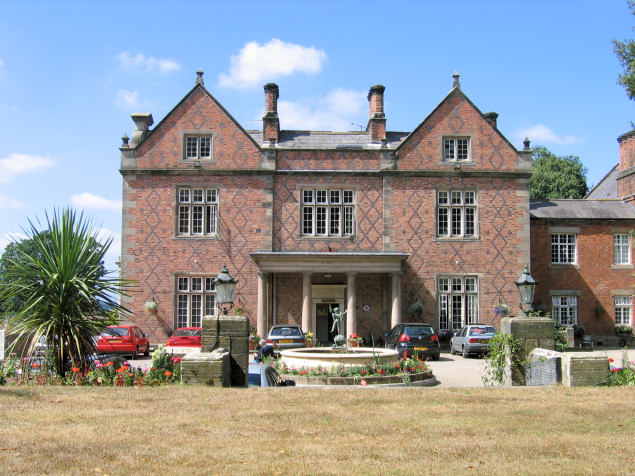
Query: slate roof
x=330, y=140
x=583, y=209
x=607, y=187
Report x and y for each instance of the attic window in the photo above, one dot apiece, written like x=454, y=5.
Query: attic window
x=456, y=149
x=197, y=147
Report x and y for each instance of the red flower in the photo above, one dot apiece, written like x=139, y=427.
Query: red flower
x=615, y=370
x=611, y=360
x=363, y=382
x=167, y=373
x=75, y=369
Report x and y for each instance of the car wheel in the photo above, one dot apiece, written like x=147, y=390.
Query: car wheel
x=436, y=357
x=465, y=354
x=148, y=350
x=135, y=354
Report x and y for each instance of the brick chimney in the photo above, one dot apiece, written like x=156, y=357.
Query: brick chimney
x=270, y=121
x=376, y=117
x=626, y=177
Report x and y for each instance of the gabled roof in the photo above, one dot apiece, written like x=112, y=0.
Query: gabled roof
x=581, y=209
x=205, y=91
x=329, y=140
x=455, y=91
x=607, y=187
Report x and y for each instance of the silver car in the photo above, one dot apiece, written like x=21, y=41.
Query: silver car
x=472, y=339
x=286, y=336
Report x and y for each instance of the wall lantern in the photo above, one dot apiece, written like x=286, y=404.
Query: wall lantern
x=526, y=285
x=224, y=285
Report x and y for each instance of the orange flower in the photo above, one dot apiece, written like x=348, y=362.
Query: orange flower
x=75, y=369
x=36, y=365
x=167, y=373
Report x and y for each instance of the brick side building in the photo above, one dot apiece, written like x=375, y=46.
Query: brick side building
x=375, y=221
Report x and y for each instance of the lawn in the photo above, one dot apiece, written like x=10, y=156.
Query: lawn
x=200, y=430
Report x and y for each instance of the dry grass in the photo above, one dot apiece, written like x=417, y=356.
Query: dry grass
x=198, y=430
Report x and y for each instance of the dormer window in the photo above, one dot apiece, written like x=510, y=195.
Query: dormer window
x=197, y=146
x=456, y=149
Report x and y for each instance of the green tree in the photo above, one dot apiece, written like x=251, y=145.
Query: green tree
x=556, y=177
x=625, y=51
x=63, y=294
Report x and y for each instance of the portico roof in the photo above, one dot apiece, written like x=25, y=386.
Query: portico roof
x=329, y=262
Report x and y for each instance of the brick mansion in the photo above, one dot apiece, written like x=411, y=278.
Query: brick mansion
x=434, y=224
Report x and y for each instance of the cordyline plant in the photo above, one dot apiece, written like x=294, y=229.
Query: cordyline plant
x=66, y=297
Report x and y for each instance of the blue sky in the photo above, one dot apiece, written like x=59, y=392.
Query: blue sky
x=71, y=73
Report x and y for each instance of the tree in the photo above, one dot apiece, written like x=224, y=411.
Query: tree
x=625, y=52
x=59, y=289
x=556, y=177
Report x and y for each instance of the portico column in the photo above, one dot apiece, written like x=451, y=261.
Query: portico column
x=351, y=306
x=395, y=315
x=306, y=302
x=261, y=310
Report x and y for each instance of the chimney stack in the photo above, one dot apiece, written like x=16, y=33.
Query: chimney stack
x=626, y=177
x=270, y=121
x=376, y=117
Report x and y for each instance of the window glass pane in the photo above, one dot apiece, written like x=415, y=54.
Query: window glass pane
x=307, y=196
x=335, y=221
x=457, y=285
x=462, y=149
x=442, y=221
x=469, y=221
x=456, y=221
x=197, y=195
x=211, y=195
x=470, y=284
x=209, y=284
x=206, y=146
x=197, y=219
x=442, y=197
x=469, y=198
x=210, y=304
x=348, y=220
x=183, y=284
x=320, y=196
x=197, y=284
x=191, y=147
x=320, y=220
x=307, y=220
x=335, y=196
x=456, y=197
x=210, y=219
x=196, y=310
x=457, y=311
x=444, y=285
x=443, y=311
x=448, y=149
x=184, y=195
x=181, y=313
x=184, y=219
x=348, y=196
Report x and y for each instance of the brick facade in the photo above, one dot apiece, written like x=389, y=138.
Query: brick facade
x=393, y=258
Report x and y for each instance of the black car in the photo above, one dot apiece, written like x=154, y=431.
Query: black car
x=414, y=338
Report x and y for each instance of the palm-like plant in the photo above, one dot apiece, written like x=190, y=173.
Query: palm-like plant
x=66, y=297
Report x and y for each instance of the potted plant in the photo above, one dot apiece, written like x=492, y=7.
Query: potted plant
x=501, y=310
x=623, y=329
x=309, y=339
x=151, y=306
x=354, y=340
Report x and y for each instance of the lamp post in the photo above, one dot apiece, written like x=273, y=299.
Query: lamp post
x=224, y=285
x=526, y=285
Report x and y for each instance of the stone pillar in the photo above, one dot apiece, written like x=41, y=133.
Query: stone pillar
x=395, y=314
x=531, y=333
x=261, y=310
x=306, y=302
x=351, y=306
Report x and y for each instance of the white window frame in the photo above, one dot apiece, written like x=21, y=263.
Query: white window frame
x=195, y=298
x=198, y=146
x=621, y=248
x=623, y=310
x=327, y=212
x=456, y=213
x=564, y=245
x=565, y=310
x=456, y=149
x=458, y=301
x=197, y=211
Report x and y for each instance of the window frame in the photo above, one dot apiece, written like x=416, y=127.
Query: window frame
x=571, y=305
x=456, y=208
x=557, y=247
x=452, y=154
x=327, y=212
x=197, y=214
x=622, y=308
x=199, y=137
x=466, y=288
x=185, y=291
x=620, y=248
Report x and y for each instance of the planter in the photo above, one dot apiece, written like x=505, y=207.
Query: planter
x=353, y=344
x=375, y=380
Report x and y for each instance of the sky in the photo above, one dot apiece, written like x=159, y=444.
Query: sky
x=72, y=72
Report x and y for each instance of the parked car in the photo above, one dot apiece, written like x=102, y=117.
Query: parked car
x=472, y=339
x=123, y=339
x=286, y=337
x=264, y=375
x=414, y=338
x=185, y=337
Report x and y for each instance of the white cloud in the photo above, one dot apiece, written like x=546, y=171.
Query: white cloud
x=88, y=200
x=147, y=63
x=256, y=64
x=10, y=238
x=17, y=164
x=336, y=111
x=7, y=202
x=127, y=99
x=1, y=62
x=541, y=134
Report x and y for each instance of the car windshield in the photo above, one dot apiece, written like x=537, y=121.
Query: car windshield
x=115, y=331
x=286, y=332
x=415, y=331
x=187, y=333
x=475, y=331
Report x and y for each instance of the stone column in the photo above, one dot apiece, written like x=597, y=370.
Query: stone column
x=306, y=302
x=351, y=306
x=261, y=310
x=395, y=315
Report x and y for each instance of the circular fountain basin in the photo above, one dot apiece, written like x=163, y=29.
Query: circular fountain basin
x=328, y=357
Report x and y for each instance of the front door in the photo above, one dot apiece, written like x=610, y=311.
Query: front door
x=324, y=322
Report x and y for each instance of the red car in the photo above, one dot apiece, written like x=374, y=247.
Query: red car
x=185, y=337
x=123, y=340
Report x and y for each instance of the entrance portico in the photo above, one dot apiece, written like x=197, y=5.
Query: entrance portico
x=307, y=265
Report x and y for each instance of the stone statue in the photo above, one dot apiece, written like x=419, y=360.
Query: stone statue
x=338, y=320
